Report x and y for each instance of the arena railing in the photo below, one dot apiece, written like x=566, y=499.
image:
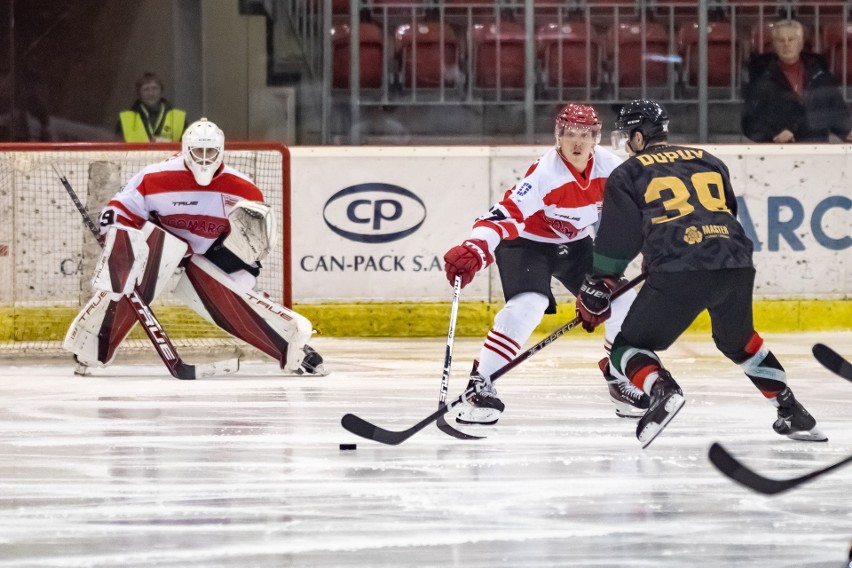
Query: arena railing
x=519, y=54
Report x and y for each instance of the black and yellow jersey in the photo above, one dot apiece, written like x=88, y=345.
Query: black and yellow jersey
x=675, y=205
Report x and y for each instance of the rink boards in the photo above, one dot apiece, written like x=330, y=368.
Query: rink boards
x=374, y=229
x=370, y=226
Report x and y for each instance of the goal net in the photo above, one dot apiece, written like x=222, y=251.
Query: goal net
x=47, y=256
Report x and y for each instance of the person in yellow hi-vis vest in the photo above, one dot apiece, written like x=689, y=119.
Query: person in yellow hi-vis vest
x=151, y=118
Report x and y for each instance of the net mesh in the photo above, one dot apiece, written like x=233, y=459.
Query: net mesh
x=47, y=256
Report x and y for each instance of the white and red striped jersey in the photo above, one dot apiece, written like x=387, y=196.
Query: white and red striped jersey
x=167, y=193
x=553, y=203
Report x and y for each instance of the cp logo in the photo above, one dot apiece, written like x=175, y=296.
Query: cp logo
x=374, y=213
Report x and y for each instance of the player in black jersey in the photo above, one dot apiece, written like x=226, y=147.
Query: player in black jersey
x=675, y=205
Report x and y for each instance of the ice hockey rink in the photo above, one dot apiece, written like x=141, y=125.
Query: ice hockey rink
x=130, y=467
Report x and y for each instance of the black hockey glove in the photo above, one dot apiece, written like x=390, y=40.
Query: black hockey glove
x=593, y=302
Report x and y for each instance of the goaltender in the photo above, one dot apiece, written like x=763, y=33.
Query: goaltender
x=195, y=212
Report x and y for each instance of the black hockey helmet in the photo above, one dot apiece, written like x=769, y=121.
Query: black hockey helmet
x=643, y=115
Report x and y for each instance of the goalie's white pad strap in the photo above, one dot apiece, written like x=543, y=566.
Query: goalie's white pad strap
x=252, y=234
x=122, y=261
x=102, y=324
x=244, y=313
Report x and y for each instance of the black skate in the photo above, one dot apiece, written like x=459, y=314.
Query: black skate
x=794, y=421
x=666, y=401
x=482, y=407
x=629, y=400
x=312, y=363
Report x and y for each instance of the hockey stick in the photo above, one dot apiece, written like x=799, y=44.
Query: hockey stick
x=448, y=361
x=733, y=468
x=148, y=320
x=365, y=429
x=832, y=361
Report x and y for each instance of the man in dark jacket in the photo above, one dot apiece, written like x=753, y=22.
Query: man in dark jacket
x=793, y=96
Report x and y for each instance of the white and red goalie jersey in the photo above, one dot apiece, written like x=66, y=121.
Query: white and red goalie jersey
x=553, y=203
x=180, y=220
x=167, y=193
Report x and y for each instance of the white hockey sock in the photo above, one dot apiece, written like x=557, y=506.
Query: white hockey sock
x=612, y=326
x=513, y=325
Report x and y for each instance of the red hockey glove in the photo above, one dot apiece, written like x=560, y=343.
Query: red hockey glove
x=593, y=302
x=467, y=259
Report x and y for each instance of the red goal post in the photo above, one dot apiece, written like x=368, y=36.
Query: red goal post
x=47, y=255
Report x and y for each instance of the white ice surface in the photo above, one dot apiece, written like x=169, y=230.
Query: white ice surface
x=130, y=467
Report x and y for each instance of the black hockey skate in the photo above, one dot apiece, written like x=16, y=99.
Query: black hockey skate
x=312, y=363
x=666, y=401
x=794, y=421
x=482, y=407
x=629, y=400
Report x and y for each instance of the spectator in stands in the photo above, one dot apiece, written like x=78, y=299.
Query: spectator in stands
x=793, y=97
x=152, y=118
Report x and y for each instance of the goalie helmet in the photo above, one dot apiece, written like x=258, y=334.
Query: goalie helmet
x=579, y=117
x=203, y=150
x=642, y=115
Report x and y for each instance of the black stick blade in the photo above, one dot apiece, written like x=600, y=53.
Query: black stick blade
x=361, y=427
x=730, y=466
x=445, y=427
x=832, y=361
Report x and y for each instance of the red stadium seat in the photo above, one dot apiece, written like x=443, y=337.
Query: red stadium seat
x=342, y=6
x=490, y=3
x=609, y=6
x=371, y=42
x=832, y=44
x=580, y=50
x=825, y=7
x=420, y=58
x=680, y=8
x=498, y=55
x=769, y=8
x=722, y=55
x=630, y=54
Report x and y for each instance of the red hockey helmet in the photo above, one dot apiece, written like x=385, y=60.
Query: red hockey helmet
x=583, y=117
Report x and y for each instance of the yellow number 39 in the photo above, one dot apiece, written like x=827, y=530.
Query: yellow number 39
x=709, y=189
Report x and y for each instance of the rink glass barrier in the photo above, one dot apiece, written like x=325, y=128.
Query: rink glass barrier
x=47, y=256
x=370, y=226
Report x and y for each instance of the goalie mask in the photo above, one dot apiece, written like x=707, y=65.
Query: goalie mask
x=203, y=150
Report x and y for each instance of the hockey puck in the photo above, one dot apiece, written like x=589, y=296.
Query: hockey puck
x=348, y=447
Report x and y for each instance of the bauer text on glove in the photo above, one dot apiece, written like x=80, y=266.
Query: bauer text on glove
x=593, y=301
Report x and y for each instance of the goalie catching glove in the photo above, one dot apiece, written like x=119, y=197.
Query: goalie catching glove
x=594, y=301
x=252, y=235
x=466, y=260
x=122, y=263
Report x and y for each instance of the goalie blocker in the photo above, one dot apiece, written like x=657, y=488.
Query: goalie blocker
x=106, y=320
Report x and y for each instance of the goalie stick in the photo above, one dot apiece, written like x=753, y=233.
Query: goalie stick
x=149, y=322
x=442, y=423
x=733, y=468
x=365, y=429
x=832, y=361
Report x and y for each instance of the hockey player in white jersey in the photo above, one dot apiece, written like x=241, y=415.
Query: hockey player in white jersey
x=195, y=212
x=542, y=228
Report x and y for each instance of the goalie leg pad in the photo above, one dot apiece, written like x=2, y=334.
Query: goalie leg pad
x=245, y=313
x=122, y=262
x=104, y=322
